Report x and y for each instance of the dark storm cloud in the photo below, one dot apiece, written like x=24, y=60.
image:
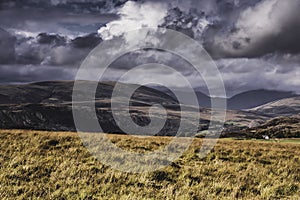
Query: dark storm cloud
x=45, y=38
x=87, y=41
x=73, y=52
x=267, y=27
x=49, y=33
x=69, y=5
x=33, y=73
x=7, y=47
x=255, y=43
x=273, y=72
x=35, y=50
x=46, y=49
x=32, y=21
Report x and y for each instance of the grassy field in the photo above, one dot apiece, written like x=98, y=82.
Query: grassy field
x=53, y=165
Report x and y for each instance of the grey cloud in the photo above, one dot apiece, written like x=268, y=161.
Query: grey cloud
x=74, y=52
x=87, y=41
x=69, y=5
x=53, y=49
x=140, y=57
x=32, y=21
x=273, y=72
x=35, y=50
x=65, y=55
x=7, y=47
x=269, y=26
x=33, y=73
x=45, y=38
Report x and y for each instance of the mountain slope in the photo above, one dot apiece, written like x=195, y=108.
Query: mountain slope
x=203, y=99
x=283, y=107
x=48, y=106
x=279, y=127
x=61, y=92
x=245, y=100
x=254, y=98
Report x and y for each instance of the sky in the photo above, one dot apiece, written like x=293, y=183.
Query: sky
x=255, y=44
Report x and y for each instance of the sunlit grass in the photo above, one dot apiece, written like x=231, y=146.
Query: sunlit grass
x=55, y=165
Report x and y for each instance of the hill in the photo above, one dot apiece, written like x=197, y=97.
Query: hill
x=241, y=101
x=254, y=98
x=283, y=107
x=48, y=106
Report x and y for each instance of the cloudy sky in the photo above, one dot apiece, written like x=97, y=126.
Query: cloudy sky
x=255, y=44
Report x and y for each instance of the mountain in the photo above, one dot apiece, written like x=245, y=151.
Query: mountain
x=283, y=107
x=254, y=98
x=48, y=106
x=245, y=100
x=203, y=99
x=277, y=119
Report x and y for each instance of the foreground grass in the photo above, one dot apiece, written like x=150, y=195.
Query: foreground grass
x=45, y=165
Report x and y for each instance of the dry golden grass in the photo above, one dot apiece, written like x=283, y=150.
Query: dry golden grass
x=53, y=165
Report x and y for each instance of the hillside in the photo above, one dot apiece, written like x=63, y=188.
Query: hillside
x=254, y=98
x=241, y=101
x=279, y=127
x=48, y=106
x=283, y=107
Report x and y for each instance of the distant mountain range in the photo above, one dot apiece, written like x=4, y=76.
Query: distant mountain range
x=244, y=100
x=48, y=106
